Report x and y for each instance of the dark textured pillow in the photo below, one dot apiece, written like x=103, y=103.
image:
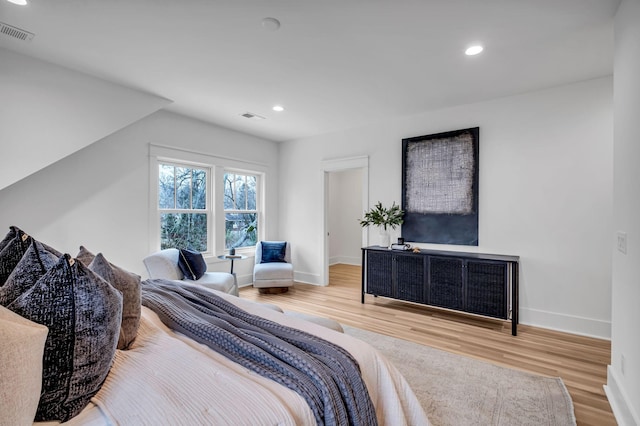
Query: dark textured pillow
x=14, y=245
x=51, y=250
x=192, y=264
x=34, y=264
x=82, y=312
x=273, y=252
x=10, y=236
x=129, y=285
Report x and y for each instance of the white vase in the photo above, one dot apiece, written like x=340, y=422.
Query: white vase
x=384, y=238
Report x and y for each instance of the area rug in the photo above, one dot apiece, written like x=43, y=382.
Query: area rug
x=458, y=391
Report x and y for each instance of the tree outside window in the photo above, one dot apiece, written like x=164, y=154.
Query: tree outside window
x=182, y=201
x=240, y=210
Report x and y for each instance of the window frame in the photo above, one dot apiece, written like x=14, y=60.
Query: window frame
x=216, y=220
x=208, y=203
x=258, y=209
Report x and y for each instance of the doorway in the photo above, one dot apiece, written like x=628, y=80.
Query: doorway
x=346, y=189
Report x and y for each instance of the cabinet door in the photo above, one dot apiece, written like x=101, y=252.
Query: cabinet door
x=487, y=288
x=379, y=273
x=410, y=277
x=445, y=282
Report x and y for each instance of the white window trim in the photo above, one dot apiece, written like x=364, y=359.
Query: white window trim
x=217, y=166
x=259, y=206
x=208, y=210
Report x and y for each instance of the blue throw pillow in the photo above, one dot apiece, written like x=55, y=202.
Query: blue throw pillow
x=273, y=252
x=192, y=264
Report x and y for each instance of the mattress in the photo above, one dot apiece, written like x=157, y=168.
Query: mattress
x=167, y=378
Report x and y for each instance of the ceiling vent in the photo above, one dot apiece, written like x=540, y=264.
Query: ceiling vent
x=253, y=116
x=15, y=32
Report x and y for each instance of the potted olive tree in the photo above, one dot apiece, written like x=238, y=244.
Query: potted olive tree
x=383, y=218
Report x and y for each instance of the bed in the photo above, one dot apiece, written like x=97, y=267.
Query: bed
x=165, y=377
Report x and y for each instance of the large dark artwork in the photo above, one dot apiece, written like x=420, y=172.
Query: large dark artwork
x=440, y=187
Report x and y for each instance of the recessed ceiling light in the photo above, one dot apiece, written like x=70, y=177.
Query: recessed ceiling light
x=271, y=24
x=474, y=50
x=278, y=108
x=20, y=2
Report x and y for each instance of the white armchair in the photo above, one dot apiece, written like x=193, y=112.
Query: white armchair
x=164, y=264
x=274, y=276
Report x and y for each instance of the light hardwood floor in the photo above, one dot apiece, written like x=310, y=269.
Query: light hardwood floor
x=581, y=362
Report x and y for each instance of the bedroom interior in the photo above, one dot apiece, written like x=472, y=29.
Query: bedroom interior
x=89, y=108
x=580, y=361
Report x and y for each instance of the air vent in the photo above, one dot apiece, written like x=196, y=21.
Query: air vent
x=252, y=116
x=15, y=32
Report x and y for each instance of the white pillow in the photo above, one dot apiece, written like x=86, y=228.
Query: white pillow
x=21, y=349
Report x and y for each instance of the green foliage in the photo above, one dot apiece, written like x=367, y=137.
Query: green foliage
x=241, y=230
x=182, y=188
x=240, y=203
x=185, y=188
x=183, y=230
x=382, y=216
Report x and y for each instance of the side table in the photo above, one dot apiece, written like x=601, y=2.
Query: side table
x=232, y=257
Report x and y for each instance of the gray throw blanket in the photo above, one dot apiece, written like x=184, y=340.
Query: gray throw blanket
x=324, y=374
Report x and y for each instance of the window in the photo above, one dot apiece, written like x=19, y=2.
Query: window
x=203, y=202
x=240, y=210
x=183, y=205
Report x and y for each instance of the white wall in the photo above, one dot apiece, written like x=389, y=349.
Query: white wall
x=345, y=208
x=47, y=112
x=545, y=193
x=623, y=384
x=98, y=196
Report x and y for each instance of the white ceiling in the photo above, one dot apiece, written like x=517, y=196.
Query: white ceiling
x=334, y=64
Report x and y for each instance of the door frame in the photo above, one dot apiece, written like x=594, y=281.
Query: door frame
x=337, y=165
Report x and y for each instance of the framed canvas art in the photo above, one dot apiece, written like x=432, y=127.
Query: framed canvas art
x=440, y=187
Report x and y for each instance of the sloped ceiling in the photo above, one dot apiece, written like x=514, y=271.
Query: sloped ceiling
x=333, y=64
x=48, y=112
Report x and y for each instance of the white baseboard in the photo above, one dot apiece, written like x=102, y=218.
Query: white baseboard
x=306, y=277
x=348, y=260
x=620, y=403
x=300, y=277
x=567, y=323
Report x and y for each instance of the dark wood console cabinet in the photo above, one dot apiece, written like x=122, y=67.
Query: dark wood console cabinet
x=476, y=283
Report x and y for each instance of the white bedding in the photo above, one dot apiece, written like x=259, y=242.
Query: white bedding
x=167, y=378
